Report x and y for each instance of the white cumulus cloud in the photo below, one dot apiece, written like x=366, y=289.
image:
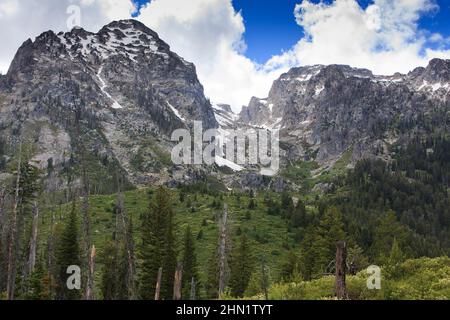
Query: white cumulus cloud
x=385, y=37
x=210, y=34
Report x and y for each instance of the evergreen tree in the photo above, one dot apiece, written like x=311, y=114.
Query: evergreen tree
x=252, y=204
x=356, y=259
x=68, y=254
x=298, y=217
x=287, y=205
x=182, y=196
x=157, y=247
x=308, y=255
x=332, y=226
x=318, y=248
x=289, y=267
x=169, y=264
x=109, y=281
x=388, y=231
x=396, y=256
x=259, y=282
x=36, y=284
x=241, y=267
x=212, y=283
x=114, y=272
x=189, y=265
x=392, y=265
x=273, y=208
x=254, y=285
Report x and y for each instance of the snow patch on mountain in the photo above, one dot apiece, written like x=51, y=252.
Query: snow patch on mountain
x=222, y=162
x=225, y=117
x=103, y=87
x=434, y=86
x=176, y=112
x=125, y=41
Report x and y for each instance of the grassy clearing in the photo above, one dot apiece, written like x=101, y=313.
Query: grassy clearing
x=269, y=235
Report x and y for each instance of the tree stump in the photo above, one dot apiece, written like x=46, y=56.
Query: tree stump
x=341, y=269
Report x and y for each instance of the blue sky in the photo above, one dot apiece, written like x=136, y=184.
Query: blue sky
x=271, y=27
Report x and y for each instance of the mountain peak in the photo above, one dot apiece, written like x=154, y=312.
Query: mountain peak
x=439, y=63
x=130, y=24
x=122, y=88
x=129, y=39
x=438, y=70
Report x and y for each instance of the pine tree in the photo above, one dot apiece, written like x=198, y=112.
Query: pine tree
x=241, y=267
x=109, y=271
x=157, y=247
x=36, y=283
x=169, y=264
x=287, y=205
x=356, y=260
x=25, y=188
x=393, y=262
x=308, y=255
x=68, y=254
x=298, y=217
x=388, y=229
x=259, y=282
x=252, y=204
x=254, y=285
x=189, y=264
x=212, y=283
x=318, y=247
x=115, y=272
x=289, y=268
x=396, y=256
x=330, y=231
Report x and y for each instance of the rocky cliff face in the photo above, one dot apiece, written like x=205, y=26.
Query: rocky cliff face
x=114, y=96
x=109, y=101
x=324, y=112
x=225, y=117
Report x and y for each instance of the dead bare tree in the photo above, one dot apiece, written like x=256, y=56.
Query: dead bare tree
x=193, y=289
x=341, y=269
x=264, y=279
x=87, y=241
x=33, y=240
x=51, y=253
x=11, y=270
x=127, y=231
x=2, y=202
x=223, y=251
x=131, y=266
x=90, y=284
x=177, y=284
x=158, y=285
x=87, y=244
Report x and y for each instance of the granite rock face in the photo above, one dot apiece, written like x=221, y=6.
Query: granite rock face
x=116, y=95
x=110, y=101
x=324, y=112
